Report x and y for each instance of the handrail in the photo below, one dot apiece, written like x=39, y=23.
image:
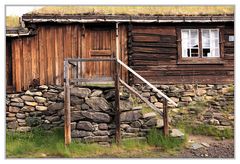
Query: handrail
x=145, y=81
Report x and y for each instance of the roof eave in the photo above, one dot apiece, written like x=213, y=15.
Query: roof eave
x=125, y=18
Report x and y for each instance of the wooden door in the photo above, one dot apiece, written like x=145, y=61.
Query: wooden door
x=100, y=43
x=9, y=63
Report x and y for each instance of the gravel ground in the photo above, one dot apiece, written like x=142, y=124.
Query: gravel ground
x=216, y=149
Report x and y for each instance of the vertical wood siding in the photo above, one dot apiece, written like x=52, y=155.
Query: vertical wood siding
x=41, y=56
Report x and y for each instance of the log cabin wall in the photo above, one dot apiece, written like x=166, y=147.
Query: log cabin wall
x=41, y=56
x=153, y=53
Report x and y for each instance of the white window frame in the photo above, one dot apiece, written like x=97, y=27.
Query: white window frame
x=200, y=47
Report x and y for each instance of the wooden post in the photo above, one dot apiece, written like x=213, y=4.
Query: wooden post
x=67, y=112
x=165, y=118
x=117, y=105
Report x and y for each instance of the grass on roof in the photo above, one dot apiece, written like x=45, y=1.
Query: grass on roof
x=12, y=21
x=137, y=10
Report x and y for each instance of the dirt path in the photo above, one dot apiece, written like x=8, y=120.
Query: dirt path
x=207, y=147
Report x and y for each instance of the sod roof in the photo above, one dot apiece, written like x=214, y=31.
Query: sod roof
x=135, y=10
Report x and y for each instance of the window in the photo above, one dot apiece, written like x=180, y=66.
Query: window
x=205, y=46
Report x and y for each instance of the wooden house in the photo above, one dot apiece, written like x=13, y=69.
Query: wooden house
x=164, y=48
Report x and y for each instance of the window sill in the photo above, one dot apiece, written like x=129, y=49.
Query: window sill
x=201, y=61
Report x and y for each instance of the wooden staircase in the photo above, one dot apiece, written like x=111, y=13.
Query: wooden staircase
x=78, y=80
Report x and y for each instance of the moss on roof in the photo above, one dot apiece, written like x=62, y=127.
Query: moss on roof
x=12, y=21
x=136, y=10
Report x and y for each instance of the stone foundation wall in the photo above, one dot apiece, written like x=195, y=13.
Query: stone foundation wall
x=92, y=109
x=208, y=104
x=92, y=113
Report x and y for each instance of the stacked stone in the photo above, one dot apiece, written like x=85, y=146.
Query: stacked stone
x=218, y=97
x=93, y=118
x=92, y=113
x=41, y=106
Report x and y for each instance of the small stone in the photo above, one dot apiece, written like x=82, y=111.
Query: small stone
x=76, y=100
x=125, y=105
x=24, y=129
x=213, y=122
x=56, y=106
x=225, y=123
x=188, y=93
x=12, y=125
x=84, y=107
x=28, y=109
x=31, y=103
x=40, y=99
x=50, y=95
x=11, y=114
x=12, y=95
x=186, y=99
x=43, y=87
x=17, y=99
x=158, y=105
x=137, y=108
x=176, y=133
x=124, y=126
x=33, y=93
x=102, y=126
x=80, y=133
x=225, y=90
x=159, y=123
x=149, y=115
x=96, y=93
x=16, y=104
x=175, y=99
x=201, y=91
x=52, y=118
x=27, y=98
x=61, y=95
x=151, y=122
x=153, y=99
x=164, y=87
x=101, y=133
x=146, y=94
x=85, y=125
x=205, y=144
x=76, y=116
x=13, y=109
x=110, y=95
x=196, y=146
x=132, y=130
x=80, y=92
x=53, y=90
x=98, y=104
x=20, y=115
x=41, y=108
x=96, y=139
x=136, y=124
x=21, y=121
x=209, y=98
x=11, y=119
x=130, y=116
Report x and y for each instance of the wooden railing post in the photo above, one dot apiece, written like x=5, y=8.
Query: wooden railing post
x=165, y=118
x=67, y=112
x=117, y=104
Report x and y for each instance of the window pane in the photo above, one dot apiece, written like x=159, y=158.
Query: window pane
x=185, y=34
x=190, y=43
x=210, y=42
x=214, y=34
x=205, y=34
x=206, y=43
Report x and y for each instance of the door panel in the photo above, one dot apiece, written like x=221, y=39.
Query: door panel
x=100, y=43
